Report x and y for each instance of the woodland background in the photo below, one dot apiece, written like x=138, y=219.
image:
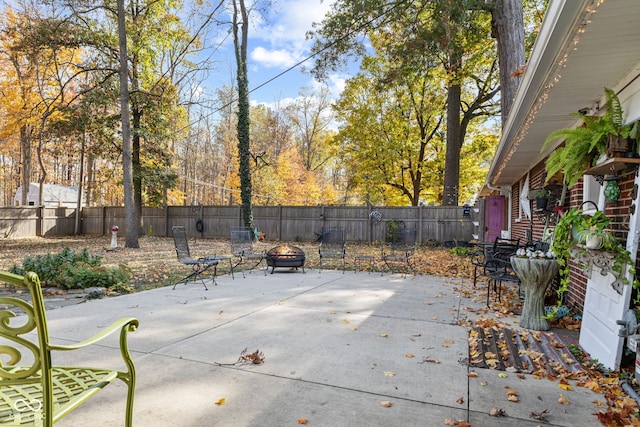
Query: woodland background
x=383, y=141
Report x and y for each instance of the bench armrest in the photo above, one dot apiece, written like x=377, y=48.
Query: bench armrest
x=125, y=324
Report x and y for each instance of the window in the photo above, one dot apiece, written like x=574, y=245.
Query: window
x=592, y=192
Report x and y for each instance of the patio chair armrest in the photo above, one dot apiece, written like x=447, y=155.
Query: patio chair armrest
x=124, y=325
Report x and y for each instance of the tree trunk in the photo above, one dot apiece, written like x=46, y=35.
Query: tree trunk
x=131, y=225
x=508, y=29
x=240, y=44
x=136, y=164
x=25, y=144
x=454, y=145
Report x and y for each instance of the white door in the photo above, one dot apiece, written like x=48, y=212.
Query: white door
x=603, y=305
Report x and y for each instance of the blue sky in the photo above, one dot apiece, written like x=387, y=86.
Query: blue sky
x=277, y=42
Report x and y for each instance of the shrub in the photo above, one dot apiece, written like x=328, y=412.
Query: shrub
x=82, y=275
x=70, y=270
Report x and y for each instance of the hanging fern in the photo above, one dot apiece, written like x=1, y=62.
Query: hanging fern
x=584, y=144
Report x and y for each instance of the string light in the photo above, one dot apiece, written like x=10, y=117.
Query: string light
x=544, y=96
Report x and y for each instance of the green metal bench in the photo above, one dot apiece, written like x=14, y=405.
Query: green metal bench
x=33, y=392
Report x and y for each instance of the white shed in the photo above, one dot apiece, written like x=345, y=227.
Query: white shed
x=54, y=196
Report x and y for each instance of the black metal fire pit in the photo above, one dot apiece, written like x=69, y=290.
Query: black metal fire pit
x=285, y=256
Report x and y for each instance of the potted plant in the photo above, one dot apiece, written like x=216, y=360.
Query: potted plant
x=597, y=237
x=569, y=236
x=583, y=145
x=541, y=196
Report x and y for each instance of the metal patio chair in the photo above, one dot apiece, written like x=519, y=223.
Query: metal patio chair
x=242, y=248
x=497, y=266
x=198, y=265
x=35, y=389
x=332, y=245
x=399, y=248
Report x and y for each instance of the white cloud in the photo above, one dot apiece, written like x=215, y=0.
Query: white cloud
x=281, y=35
x=290, y=20
x=273, y=57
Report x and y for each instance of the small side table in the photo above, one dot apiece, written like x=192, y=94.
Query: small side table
x=536, y=274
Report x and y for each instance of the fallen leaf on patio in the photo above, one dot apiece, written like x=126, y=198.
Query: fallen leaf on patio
x=472, y=374
x=563, y=400
x=540, y=416
x=503, y=375
x=497, y=412
x=429, y=360
x=345, y=320
x=512, y=393
x=383, y=335
x=389, y=374
x=302, y=420
x=450, y=422
x=257, y=357
x=386, y=404
x=513, y=398
x=484, y=383
x=354, y=329
x=333, y=312
x=281, y=303
x=416, y=335
x=491, y=363
x=565, y=386
x=434, y=318
x=593, y=386
x=409, y=355
x=462, y=423
x=460, y=400
x=221, y=401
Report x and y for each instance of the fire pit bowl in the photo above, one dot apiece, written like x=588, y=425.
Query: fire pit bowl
x=285, y=256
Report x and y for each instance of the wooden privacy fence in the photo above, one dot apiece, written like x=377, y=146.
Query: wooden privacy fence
x=434, y=224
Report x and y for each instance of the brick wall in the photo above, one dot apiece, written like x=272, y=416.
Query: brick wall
x=619, y=214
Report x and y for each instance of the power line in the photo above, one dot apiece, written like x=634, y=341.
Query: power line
x=299, y=63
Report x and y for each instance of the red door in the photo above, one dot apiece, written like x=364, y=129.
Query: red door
x=493, y=217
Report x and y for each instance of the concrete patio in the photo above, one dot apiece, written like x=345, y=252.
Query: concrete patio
x=335, y=346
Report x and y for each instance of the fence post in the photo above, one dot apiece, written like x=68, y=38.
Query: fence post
x=39, y=220
x=420, y=218
x=280, y=222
